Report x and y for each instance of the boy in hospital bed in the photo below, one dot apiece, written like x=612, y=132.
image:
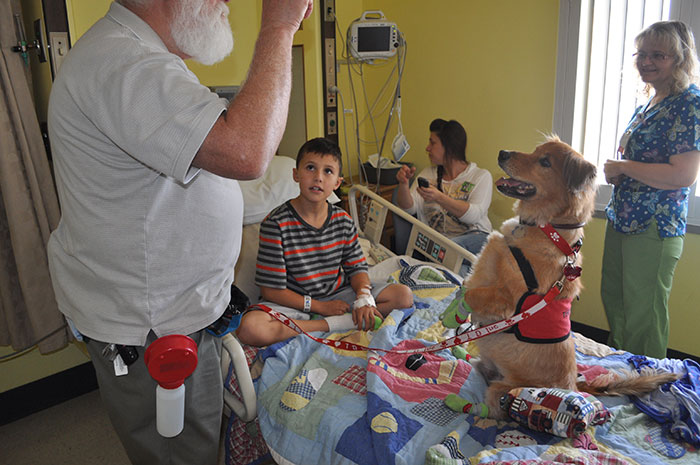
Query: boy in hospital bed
x=310, y=261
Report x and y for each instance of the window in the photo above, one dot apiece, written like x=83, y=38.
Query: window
x=598, y=86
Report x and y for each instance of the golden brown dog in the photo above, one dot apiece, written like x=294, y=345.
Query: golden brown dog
x=555, y=185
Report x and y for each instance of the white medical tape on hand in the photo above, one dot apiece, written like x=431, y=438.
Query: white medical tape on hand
x=364, y=298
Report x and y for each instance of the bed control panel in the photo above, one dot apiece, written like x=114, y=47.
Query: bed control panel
x=374, y=224
x=430, y=247
x=370, y=223
x=379, y=254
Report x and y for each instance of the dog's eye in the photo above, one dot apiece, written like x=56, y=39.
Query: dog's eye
x=544, y=161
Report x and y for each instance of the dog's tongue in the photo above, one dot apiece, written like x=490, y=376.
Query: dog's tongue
x=507, y=182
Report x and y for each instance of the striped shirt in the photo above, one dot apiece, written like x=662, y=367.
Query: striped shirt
x=315, y=261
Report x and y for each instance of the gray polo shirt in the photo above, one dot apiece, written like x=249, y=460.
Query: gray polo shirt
x=145, y=241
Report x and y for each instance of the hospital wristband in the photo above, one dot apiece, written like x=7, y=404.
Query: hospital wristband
x=307, y=303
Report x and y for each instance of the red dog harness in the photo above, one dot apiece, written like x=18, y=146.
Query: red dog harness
x=552, y=323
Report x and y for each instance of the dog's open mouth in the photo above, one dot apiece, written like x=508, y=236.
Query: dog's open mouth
x=514, y=188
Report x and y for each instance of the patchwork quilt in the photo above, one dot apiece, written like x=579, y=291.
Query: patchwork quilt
x=321, y=405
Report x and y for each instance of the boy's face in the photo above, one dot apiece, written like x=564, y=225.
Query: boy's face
x=318, y=176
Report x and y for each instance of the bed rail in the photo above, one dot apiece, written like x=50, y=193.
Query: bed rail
x=232, y=353
x=433, y=245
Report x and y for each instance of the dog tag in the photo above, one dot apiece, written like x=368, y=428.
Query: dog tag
x=572, y=272
x=120, y=368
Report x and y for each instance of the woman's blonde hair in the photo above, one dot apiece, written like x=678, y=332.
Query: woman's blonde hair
x=679, y=40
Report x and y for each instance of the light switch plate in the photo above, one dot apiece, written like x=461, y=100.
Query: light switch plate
x=58, y=45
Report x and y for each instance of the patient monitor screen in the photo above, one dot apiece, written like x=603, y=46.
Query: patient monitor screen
x=372, y=39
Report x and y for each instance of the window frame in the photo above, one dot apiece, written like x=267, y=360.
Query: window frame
x=567, y=115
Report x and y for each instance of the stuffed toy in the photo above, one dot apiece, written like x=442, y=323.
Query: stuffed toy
x=560, y=412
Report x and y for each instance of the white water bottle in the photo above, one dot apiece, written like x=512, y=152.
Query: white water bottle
x=170, y=359
x=170, y=410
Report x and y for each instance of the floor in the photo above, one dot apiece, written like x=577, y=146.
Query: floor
x=76, y=432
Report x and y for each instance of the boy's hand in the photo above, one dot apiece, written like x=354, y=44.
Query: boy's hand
x=364, y=317
x=332, y=307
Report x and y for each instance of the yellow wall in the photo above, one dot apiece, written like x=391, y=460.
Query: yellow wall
x=490, y=65
x=41, y=72
x=245, y=20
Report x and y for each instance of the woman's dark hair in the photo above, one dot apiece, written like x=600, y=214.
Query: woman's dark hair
x=322, y=146
x=453, y=138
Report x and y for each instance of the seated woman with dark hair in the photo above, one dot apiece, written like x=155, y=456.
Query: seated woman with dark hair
x=457, y=196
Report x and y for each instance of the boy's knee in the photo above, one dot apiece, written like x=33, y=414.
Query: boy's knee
x=252, y=328
x=404, y=296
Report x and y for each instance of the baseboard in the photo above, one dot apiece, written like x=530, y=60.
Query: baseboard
x=601, y=335
x=44, y=393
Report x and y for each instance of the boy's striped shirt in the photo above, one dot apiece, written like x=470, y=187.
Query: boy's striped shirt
x=307, y=260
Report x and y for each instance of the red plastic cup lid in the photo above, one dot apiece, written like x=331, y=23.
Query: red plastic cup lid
x=171, y=359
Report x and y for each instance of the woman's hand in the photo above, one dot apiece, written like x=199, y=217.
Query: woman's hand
x=405, y=173
x=431, y=194
x=613, y=171
x=363, y=317
x=331, y=307
x=680, y=171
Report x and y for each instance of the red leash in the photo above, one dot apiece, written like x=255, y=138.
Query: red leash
x=571, y=272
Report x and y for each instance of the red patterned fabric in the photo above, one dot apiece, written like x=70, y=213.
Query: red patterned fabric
x=244, y=443
x=354, y=379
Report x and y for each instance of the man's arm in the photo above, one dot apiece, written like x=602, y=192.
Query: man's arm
x=245, y=137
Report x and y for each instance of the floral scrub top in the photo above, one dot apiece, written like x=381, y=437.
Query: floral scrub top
x=654, y=135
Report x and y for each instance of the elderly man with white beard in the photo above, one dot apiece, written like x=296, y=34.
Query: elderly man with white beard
x=147, y=161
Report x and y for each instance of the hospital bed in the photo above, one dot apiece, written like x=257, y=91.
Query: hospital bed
x=303, y=402
x=369, y=212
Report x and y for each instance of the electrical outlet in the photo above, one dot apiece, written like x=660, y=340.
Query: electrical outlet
x=329, y=13
x=330, y=71
x=58, y=44
x=332, y=122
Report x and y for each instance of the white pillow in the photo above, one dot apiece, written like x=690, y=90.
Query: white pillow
x=272, y=189
x=276, y=186
x=244, y=274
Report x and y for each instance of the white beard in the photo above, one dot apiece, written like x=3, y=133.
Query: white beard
x=203, y=35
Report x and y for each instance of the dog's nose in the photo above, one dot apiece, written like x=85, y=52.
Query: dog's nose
x=503, y=155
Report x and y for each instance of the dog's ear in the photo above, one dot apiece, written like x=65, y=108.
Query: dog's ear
x=578, y=173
